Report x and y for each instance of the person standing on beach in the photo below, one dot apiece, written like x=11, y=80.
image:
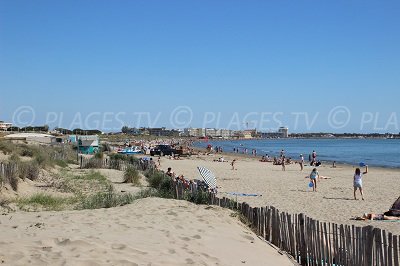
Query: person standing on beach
x=301, y=162
x=358, y=181
x=283, y=163
x=233, y=164
x=313, y=178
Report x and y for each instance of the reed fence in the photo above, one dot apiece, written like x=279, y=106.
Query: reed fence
x=7, y=172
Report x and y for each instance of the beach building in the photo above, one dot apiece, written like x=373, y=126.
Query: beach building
x=5, y=126
x=284, y=131
x=194, y=132
x=32, y=137
x=88, y=144
x=162, y=131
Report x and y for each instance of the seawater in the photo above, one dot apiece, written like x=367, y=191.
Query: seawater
x=374, y=152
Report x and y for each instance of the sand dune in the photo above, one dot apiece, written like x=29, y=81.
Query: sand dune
x=151, y=231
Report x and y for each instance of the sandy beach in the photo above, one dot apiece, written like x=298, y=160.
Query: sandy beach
x=288, y=190
x=150, y=231
x=154, y=231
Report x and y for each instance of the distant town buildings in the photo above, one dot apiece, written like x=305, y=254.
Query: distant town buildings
x=283, y=132
x=5, y=126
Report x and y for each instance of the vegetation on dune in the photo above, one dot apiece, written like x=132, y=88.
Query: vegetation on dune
x=45, y=201
x=89, y=189
x=132, y=175
x=106, y=199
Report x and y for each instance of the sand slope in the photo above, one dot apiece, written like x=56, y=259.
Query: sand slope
x=151, y=231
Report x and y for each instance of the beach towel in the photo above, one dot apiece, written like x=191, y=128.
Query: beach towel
x=243, y=194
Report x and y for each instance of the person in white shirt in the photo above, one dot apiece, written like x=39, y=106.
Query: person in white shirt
x=358, y=181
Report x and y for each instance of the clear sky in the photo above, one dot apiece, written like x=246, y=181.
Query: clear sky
x=330, y=66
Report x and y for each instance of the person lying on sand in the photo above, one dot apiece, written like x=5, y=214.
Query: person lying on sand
x=376, y=217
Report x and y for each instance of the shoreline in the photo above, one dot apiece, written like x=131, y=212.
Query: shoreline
x=324, y=161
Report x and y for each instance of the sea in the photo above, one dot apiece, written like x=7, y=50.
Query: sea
x=373, y=152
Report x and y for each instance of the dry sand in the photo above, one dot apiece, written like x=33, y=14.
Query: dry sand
x=151, y=231
x=288, y=191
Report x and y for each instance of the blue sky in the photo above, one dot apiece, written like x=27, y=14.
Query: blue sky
x=329, y=66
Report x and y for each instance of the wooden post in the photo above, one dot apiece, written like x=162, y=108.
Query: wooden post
x=302, y=240
x=368, y=245
x=385, y=248
x=396, y=251
x=390, y=247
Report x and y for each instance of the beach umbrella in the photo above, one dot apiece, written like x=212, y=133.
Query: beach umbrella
x=208, y=177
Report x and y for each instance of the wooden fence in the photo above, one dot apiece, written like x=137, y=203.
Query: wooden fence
x=311, y=242
x=7, y=172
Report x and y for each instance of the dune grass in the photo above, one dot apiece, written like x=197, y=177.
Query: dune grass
x=46, y=202
x=106, y=199
x=131, y=175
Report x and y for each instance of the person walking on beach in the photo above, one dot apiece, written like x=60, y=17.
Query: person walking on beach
x=313, y=178
x=358, y=181
x=233, y=164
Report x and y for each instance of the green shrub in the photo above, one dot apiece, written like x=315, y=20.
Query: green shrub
x=99, y=155
x=161, y=182
x=14, y=158
x=6, y=147
x=118, y=156
x=131, y=175
x=94, y=163
x=61, y=163
x=26, y=152
x=106, y=199
x=200, y=197
x=42, y=159
x=29, y=170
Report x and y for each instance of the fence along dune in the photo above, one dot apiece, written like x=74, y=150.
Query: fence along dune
x=309, y=241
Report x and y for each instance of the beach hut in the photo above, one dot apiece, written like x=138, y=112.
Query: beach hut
x=88, y=144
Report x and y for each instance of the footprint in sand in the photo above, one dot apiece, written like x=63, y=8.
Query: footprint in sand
x=196, y=237
x=214, y=259
x=189, y=261
x=139, y=252
x=171, y=251
x=125, y=263
x=118, y=246
x=185, y=238
x=172, y=213
x=248, y=237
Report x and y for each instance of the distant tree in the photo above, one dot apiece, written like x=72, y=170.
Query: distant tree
x=125, y=129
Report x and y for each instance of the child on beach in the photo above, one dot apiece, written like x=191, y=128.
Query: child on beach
x=358, y=181
x=313, y=178
x=233, y=164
